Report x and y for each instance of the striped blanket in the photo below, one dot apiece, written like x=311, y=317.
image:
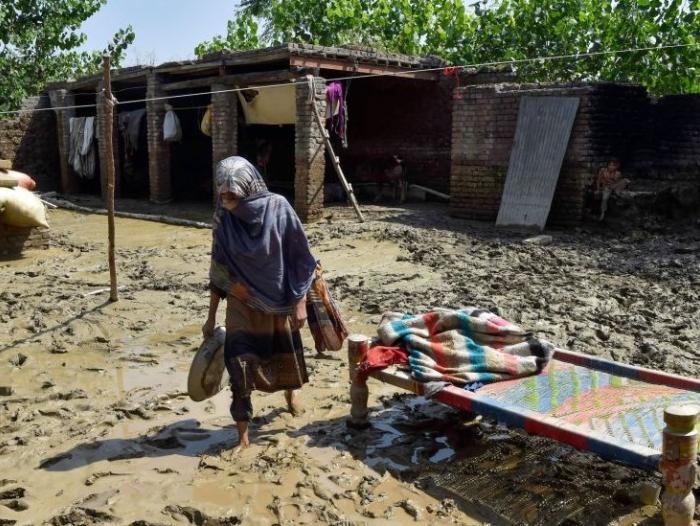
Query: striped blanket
x=464, y=346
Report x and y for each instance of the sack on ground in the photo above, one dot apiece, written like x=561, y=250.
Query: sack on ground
x=20, y=179
x=20, y=207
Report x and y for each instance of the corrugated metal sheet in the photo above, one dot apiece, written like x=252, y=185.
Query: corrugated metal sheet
x=541, y=138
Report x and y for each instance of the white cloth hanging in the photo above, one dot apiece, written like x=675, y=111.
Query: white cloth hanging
x=172, y=131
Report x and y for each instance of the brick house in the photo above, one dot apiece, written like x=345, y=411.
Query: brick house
x=407, y=113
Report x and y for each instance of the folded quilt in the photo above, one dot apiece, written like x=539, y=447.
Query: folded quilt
x=464, y=346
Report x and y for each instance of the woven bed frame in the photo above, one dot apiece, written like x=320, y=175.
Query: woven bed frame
x=612, y=409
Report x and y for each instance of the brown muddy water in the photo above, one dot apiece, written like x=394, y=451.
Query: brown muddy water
x=98, y=429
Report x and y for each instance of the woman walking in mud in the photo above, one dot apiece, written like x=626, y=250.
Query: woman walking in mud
x=261, y=264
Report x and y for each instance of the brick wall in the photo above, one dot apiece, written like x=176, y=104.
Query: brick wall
x=224, y=126
x=69, y=181
x=607, y=125
x=29, y=140
x=160, y=187
x=14, y=240
x=404, y=117
x=309, y=153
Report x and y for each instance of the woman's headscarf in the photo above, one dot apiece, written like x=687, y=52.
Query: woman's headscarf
x=260, y=252
x=237, y=175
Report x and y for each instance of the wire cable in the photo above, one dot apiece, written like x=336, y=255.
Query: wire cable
x=376, y=75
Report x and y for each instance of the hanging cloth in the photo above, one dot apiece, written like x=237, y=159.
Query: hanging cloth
x=336, y=110
x=205, y=126
x=81, y=152
x=130, y=128
x=172, y=131
x=274, y=105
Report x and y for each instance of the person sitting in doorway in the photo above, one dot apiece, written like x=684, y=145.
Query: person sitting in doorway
x=263, y=154
x=609, y=180
x=388, y=173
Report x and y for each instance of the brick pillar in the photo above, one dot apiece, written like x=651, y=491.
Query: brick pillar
x=310, y=161
x=158, y=149
x=224, y=126
x=69, y=179
x=101, y=148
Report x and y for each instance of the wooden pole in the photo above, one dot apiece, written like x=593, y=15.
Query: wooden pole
x=108, y=129
x=336, y=163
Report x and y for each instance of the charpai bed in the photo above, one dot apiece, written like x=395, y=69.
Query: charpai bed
x=615, y=410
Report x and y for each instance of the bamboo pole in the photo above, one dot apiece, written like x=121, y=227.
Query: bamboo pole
x=336, y=163
x=108, y=129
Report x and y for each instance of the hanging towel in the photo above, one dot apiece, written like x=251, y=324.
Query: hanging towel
x=336, y=110
x=130, y=128
x=81, y=154
x=172, y=131
x=205, y=126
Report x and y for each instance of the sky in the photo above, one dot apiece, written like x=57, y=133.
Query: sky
x=165, y=29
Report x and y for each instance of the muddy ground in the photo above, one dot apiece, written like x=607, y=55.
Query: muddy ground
x=96, y=427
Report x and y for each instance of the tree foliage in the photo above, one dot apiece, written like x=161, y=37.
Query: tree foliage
x=38, y=42
x=494, y=31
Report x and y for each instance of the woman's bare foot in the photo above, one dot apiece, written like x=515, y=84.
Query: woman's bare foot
x=292, y=403
x=243, y=438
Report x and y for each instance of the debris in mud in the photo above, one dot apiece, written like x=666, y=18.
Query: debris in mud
x=75, y=394
x=539, y=240
x=101, y=474
x=166, y=471
x=79, y=516
x=18, y=360
x=6, y=390
x=197, y=517
x=410, y=508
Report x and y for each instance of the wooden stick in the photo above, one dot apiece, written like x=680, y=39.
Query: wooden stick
x=46, y=203
x=100, y=291
x=336, y=162
x=108, y=119
x=430, y=191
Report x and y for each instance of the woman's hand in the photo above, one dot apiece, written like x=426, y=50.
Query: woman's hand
x=208, y=327
x=298, y=317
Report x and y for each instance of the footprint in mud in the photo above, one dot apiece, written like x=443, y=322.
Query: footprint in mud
x=13, y=498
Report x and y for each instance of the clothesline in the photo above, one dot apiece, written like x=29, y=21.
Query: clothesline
x=575, y=56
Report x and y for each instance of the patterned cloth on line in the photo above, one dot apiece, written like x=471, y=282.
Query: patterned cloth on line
x=464, y=346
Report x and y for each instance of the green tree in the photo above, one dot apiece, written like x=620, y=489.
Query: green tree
x=491, y=32
x=38, y=41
